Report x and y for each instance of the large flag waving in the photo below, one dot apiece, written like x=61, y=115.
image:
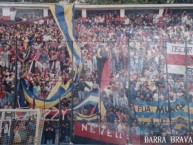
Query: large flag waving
x=178, y=57
x=63, y=15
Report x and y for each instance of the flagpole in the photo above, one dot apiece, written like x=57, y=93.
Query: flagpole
x=167, y=87
x=15, y=88
x=44, y=103
x=72, y=115
x=186, y=85
x=158, y=91
x=100, y=117
x=129, y=84
x=60, y=120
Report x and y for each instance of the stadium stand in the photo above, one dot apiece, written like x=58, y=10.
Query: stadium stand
x=124, y=60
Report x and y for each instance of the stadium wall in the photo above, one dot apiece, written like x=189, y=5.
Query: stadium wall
x=6, y=8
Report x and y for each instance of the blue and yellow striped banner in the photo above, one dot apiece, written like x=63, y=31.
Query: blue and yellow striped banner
x=63, y=15
x=145, y=111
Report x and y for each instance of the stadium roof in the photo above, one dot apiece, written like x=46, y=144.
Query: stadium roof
x=99, y=7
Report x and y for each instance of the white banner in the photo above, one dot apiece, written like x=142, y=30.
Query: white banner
x=177, y=59
x=173, y=48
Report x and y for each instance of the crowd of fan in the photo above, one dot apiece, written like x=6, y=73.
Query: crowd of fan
x=103, y=38
x=25, y=15
x=15, y=131
x=136, y=49
x=22, y=15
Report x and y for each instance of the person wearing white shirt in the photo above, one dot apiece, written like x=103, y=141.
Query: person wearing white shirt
x=156, y=18
x=11, y=78
x=46, y=38
x=184, y=18
x=90, y=84
x=104, y=126
x=120, y=127
x=48, y=87
x=6, y=128
x=5, y=58
x=123, y=101
x=6, y=133
x=115, y=97
x=127, y=20
x=37, y=89
x=156, y=96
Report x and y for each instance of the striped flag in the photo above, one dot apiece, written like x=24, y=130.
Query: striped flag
x=64, y=17
x=177, y=58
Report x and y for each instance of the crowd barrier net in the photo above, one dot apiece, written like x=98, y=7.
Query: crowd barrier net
x=21, y=126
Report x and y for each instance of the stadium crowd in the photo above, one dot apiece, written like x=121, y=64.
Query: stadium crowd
x=25, y=15
x=132, y=49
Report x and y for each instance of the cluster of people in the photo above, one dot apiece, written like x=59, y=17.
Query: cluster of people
x=135, y=49
x=25, y=15
x=49, y=58
x=18, y=132
x=123, y=59
x=22, y=15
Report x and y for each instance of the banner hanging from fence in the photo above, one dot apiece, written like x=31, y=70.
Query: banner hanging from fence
x=90, y=131
x=178, y=57
x=145, y=111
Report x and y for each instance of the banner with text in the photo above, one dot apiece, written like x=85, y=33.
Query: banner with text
x=91, y=131
x=178, y=57
x=145, y=111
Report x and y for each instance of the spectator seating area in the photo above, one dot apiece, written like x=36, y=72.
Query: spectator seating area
x=134, y=61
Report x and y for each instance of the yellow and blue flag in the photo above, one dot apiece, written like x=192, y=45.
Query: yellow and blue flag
x=64, y=17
